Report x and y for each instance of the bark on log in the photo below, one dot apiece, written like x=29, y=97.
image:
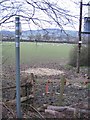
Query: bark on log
x=57, y=108
x=55, y=113
x=67, y=108
x=52, y=112
x=23, y=99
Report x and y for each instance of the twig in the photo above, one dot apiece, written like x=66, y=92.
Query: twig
x=37, y=111
x=8, y=108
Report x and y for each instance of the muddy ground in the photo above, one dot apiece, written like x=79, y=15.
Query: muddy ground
x=75, y=90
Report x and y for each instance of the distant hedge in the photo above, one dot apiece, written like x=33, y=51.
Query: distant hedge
x=84, y=57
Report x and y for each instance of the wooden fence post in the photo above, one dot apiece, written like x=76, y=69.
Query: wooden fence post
x=63, y=82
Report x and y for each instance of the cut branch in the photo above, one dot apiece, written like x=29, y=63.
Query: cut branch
x=23, y=99
x=52, y=112
x=67, y=108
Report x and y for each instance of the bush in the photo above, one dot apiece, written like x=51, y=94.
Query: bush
x=83, y=56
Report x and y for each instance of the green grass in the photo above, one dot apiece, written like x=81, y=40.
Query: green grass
x=30, y=52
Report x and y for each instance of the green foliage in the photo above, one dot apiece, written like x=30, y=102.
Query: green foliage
x=73, y=57
x=83, y=56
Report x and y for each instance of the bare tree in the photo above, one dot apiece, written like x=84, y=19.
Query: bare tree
x=37, y=12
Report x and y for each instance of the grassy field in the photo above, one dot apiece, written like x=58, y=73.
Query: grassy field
x=32, y=52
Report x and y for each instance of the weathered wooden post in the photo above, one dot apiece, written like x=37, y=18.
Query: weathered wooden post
x=63, y=82
x=79, y=42
x=32, y=83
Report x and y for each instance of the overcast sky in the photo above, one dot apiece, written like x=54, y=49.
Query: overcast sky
x=66, y=4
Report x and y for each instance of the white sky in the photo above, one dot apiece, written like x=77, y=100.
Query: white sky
x=66, y=4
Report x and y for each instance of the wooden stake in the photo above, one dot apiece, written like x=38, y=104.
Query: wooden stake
x=63, y=81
